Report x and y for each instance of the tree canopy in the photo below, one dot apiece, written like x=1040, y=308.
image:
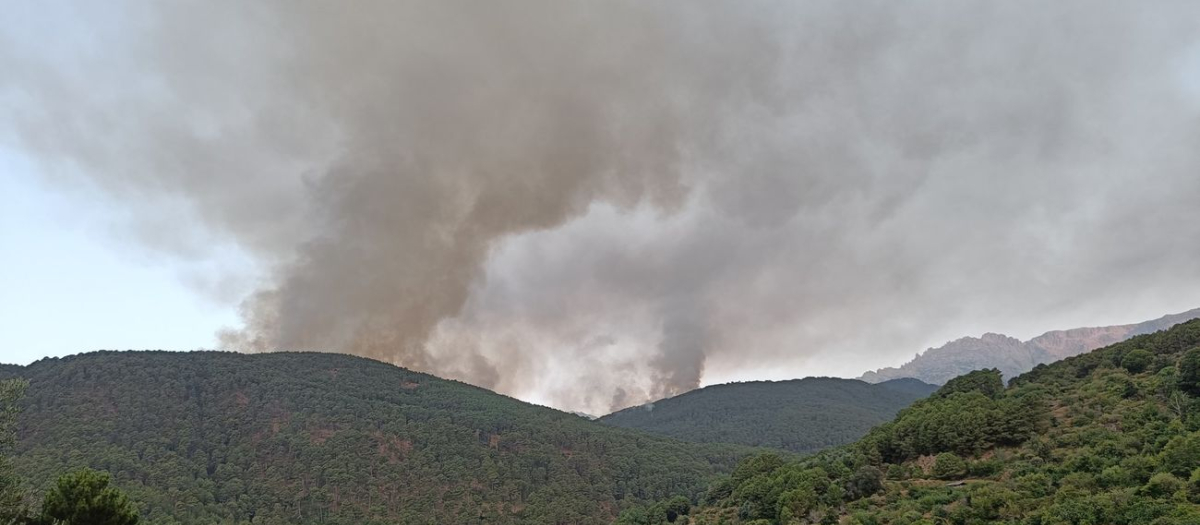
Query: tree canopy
x=799, y=415
x=11, y=494
x=85, y=497
x=215, y=437
x=1086, y=441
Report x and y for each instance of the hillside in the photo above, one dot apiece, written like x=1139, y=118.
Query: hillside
x=9, y=371
x=1014, y=357
x=800, y=415
x=211, y=437
x=1107, y=437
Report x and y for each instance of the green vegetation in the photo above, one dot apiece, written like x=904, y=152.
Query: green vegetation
x=987, y=382
x=1189, y=372
x=965, y=417
x=1111, y=437
x=948, y=465
x=802, y=415
x=11, y=492
x=1104, y=438
x=8, y=372
x=323, y=438
x=84, y=497
x=1136, y=361
x=80, y=498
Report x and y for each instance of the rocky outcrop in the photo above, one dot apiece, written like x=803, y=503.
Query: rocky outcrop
x=1012, y=356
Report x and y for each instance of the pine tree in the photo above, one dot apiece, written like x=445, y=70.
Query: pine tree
x=11, y=495
x=84, y=497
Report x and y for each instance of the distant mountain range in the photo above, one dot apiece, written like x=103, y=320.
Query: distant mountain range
x=800, y=415
x=1014, y=357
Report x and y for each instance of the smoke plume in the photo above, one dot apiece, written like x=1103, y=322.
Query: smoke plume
x=595, y=204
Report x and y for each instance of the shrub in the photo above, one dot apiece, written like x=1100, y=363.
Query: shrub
x=984, y=468
x=1181, y=454
x=676, y=507
x=949, y=466
x=1194, y=486
x=1162, y=485
x=1114, y=476
x=1136, y=361
x=864, y=482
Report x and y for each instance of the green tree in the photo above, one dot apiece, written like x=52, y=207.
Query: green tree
x=1162, y=485
x=865, y=481
x=1189, y=372
x=1194, y=486
x=1181, y=454
x=85, y=497
x=949, y=466
x=676, y=507
x=1064, y=445
x=11, y=495
x=988, y=382
x=797, y=502
x=1136, y=361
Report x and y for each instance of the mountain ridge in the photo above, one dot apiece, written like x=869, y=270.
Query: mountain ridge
x=1013, y=356
x=798, y=415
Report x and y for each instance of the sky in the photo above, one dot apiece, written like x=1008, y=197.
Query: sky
x=70, y=284
x=590, y=205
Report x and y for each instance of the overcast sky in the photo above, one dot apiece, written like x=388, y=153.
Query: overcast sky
x=591, y=205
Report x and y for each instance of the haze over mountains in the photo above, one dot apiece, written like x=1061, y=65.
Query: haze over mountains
x=1014, y=357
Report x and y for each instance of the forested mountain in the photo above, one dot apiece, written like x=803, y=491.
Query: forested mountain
x=1014, y=357
x=1110, y=437
x=211, y=437
x=9, y=371
x=800, y=415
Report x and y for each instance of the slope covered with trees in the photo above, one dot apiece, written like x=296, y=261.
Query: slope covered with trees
x=83, y=497
x=1110, y=437
x=322, y=438
x=12, y=498
x=800, y=415
x=9, y=372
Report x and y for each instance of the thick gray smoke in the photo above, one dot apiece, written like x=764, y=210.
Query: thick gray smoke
x=592, y=204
